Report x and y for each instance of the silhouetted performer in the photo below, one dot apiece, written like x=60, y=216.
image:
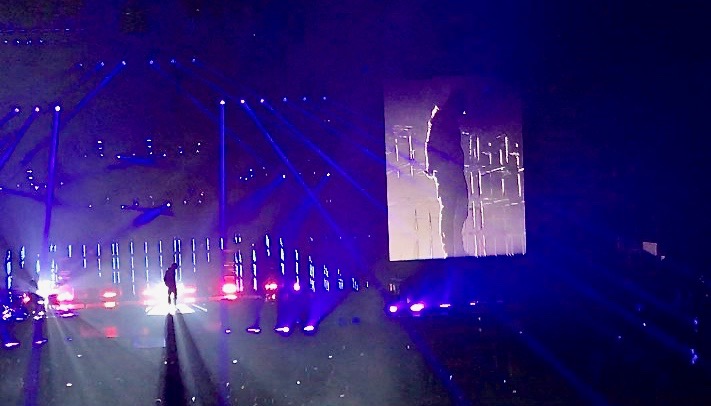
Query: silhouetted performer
x=169, y=279
x=445, y=163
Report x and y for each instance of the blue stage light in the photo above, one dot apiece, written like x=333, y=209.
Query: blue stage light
x=123, y=63
x=150, y=62
x=222, y=102
x=284, y=99
x=57, y=108
x=17, y=109
x=37, y=109
x=309, y=328
x=392, y=308
x=242, y=101
x=261, y=100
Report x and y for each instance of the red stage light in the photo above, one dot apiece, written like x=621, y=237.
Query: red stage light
x=109, y=294
x=229, y=288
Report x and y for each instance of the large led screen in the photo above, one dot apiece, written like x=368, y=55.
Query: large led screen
x=454, y=169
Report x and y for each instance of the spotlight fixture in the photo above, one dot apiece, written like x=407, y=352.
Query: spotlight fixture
x=392, y=308
x=222, y=102
x=417, y=307
x=172, y=60
x=309, y=328
x=261, y=100
x=37, y=109
x=57, y=108
x=229, y=288
x=242, y=101
x=150, y=62
x=17, y=109
x=284, y=99
x=40, y=341
x=123, y=63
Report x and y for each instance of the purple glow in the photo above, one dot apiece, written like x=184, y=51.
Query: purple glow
x=417, y=307
x=392, y=308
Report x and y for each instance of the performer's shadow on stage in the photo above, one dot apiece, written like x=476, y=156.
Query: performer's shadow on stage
x=173, y=391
